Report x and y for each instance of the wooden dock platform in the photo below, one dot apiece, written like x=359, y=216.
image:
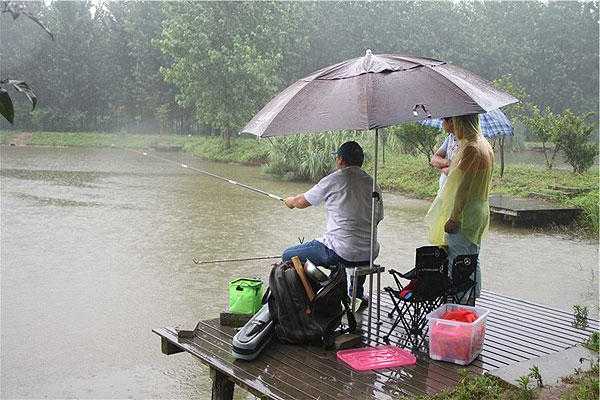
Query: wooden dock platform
x=530, y=212
x=517, y=331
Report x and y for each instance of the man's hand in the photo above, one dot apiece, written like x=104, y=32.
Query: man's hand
x=296, y=202
x=289, y=202
x=445, y=170
x=451, y=226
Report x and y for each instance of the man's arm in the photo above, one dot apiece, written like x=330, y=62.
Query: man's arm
x=298, y=201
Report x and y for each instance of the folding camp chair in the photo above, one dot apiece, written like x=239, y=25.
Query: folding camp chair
x=428, y=279
x=463, y=280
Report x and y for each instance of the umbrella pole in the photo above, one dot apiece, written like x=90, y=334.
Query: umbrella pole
x=372, y=247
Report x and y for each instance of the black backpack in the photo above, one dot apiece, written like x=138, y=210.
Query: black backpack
x=300, y=321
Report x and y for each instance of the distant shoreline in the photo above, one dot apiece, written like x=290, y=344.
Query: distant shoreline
x=402, y=173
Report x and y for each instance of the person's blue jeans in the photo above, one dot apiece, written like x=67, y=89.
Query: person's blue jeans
x=319, y=254
x=458, y=245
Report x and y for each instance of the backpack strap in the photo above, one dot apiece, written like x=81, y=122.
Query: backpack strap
x=310, y=294
x=266, y=296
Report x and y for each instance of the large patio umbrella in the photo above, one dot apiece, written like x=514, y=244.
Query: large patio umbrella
x=372, y=92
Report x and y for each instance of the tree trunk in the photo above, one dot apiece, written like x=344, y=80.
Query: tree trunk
x=383, y=140
x=501, y=143
x=226, y=138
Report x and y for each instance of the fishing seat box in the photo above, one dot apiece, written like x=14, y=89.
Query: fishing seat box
x=454, y=341
x=254, y=336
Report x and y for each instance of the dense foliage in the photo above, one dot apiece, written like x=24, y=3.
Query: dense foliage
x=204, y=67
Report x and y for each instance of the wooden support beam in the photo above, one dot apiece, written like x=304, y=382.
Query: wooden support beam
x=168, y=348
x=222, y=388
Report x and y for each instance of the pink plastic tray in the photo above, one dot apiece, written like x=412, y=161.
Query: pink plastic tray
x=376, y=357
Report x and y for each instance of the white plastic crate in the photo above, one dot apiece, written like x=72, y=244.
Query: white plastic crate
x=454, y=341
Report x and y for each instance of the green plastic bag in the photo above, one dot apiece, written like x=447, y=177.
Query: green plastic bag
x=245, y=296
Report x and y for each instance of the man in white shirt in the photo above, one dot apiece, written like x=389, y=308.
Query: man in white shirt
x=443, y=156
x=347, y=194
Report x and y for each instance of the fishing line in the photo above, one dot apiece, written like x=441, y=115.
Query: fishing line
x=198, y=262
x=231, y=181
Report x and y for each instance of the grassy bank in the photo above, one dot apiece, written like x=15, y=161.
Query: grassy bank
x=92, y=139
x=294, y=158
x=412, y=176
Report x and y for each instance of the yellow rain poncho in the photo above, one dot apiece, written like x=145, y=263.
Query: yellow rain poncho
x=464, y=197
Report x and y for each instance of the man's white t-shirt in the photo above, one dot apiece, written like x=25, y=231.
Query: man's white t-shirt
x=347, y=196
x=449, y=147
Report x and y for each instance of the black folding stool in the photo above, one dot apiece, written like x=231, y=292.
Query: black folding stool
x=431, y=278
x=364, y=269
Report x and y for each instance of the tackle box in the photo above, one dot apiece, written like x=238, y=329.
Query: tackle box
x=254, y=336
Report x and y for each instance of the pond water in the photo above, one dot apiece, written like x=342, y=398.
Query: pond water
x=97, y=248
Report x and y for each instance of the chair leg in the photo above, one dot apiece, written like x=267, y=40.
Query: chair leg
x=396, y=303
x=354, y=283
x=379, y=298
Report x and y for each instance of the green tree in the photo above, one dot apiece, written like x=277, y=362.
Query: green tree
x=225, y=58
x=567, y=132
x=543, y=126
x=574, y=134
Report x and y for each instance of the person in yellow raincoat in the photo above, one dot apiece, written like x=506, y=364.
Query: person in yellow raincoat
x=460, y=213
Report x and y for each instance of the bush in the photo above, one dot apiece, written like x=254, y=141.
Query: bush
x=417, y=139
x=308, y=157
x=567, y=132
x=574, y=136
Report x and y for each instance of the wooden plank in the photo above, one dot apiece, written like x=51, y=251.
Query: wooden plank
x=254, y=384
x=516, y=331
x=316, y=363
x=485, y=361
x=489, y=358
x=308, y=363
x=499, y=340
x=235, y=320
x=503, y=211
x=335, y=366
x=495, y=350
x=528, y=306
x=169, y=348
x=290, y=372
x=504, y=326
x=562, y=327
x=550, y=335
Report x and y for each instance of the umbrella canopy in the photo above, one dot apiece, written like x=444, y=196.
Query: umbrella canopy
x=493, y=124
x=375, y=91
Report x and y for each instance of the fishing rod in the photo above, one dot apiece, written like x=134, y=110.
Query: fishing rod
x=256, y=190
x=198, y=262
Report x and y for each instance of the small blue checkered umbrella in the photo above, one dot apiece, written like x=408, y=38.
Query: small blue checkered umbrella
x=493, y=124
